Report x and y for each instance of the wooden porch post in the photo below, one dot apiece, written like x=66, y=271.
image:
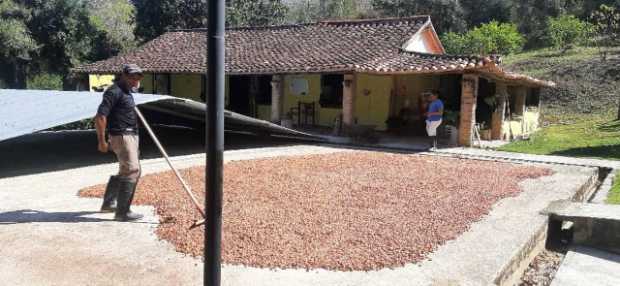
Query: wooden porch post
x=348, y=100
x=520, y=97
x=469, y=94
x=276, y=97
x=497, y=120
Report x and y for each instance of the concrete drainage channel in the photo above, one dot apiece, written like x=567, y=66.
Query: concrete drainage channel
x=540, y=259
x=548, y=245
x=524, y=268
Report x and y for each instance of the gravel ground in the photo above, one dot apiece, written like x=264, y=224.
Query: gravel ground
x=344, y=211
x=542, y=270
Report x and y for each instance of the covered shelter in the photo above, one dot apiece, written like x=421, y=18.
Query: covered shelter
x=342, y=75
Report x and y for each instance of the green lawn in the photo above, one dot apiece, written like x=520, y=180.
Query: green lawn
x=594, y=137
x=614, y=193
x=543, y=62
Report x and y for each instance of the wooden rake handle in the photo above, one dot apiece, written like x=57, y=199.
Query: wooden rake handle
x=186, y=187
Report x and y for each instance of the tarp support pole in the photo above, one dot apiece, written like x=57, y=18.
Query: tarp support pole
x=215, y=142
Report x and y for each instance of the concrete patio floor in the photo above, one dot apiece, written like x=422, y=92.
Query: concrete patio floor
x=50, y=236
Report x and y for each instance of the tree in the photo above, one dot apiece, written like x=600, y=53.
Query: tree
x=456, y=44
x=154, y=18
x=607, y=26
x=256, y=13
x=531, y=18
x=491, y=38
x=115, y=22
x=447, y=15
x=16, y=44
x=566, y=31
x=311, y=11
x=607, y=23
x=591, y=6
x=66, y=35
x=478, y=12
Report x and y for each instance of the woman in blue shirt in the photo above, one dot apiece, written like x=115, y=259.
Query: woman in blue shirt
x=434, y=116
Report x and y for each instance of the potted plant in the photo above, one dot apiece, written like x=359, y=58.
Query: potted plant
x=451, y=119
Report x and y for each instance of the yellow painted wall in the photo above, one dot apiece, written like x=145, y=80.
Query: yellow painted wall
x=410, y=88
x=263, y=112
x=372, y=99
x=525, y=125
x=186, y=86
x=370, y=109
x=95, y=80
x=324, y=116
x=147, y=83
x=183, y=85
x=99, y=80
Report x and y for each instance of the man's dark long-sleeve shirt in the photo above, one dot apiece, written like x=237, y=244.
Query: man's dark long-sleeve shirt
x=118, y=107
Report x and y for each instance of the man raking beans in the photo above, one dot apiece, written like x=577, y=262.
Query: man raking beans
x=117, y=120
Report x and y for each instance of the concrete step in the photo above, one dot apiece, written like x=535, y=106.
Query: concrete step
x=587, y=266
x=594, y=225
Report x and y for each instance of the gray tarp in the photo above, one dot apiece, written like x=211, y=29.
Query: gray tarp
x=27, y=111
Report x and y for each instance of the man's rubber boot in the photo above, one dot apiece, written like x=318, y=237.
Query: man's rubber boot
x=125, y=197
x=111, y=193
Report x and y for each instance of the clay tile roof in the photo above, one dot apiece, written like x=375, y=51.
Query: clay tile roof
x=328, y=46
x=412, y=62
x=366, y=46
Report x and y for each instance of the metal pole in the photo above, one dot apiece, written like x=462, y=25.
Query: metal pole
x=215, y=142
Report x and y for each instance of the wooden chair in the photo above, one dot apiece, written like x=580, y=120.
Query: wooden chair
x=307, y=111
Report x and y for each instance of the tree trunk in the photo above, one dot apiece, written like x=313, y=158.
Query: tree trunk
x=19, y=73
x=618, y=117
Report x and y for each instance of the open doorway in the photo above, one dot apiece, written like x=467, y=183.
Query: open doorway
x=240, y=94
x=246, y=91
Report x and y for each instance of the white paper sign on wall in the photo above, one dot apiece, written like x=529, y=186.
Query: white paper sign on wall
x=299, y=86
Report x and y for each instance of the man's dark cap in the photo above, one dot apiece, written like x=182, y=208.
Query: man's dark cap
x=132, y=69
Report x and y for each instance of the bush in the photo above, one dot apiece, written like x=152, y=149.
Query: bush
x=45, y=81
x=455, y=43
x=496, y=38
x=606, y=25
x=490, y=38
x=566, y=31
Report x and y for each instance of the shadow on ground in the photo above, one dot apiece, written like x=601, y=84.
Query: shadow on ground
x=55, y=151
x=28, y=216
x=607, y=152
x=612, y=126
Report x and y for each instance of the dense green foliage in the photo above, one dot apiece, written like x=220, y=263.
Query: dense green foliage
x=567, y=31
x=447, y=15
x=607, y=24
x=311, y=11
x=39, y=37
x=256, y=13
x=52, y=36
x=115, y=22
x=45, y=81
x=491, y=38
x=153, y=18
